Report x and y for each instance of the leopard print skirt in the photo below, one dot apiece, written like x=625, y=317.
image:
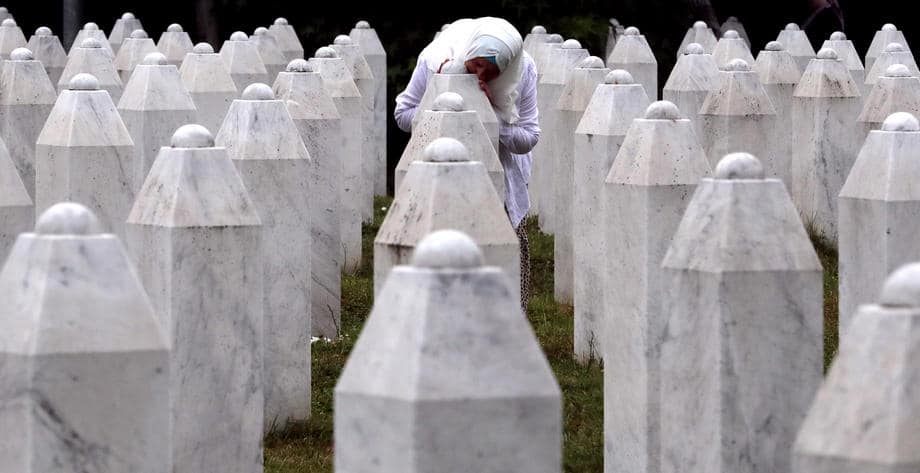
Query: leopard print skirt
x=524, y=243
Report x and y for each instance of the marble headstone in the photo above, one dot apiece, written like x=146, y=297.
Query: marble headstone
x=91, y=30
x=320, y=125
x=366, y=38
x=269, y=51
x=132, y=52
x=846, y=51
x=694, y=75
x=175, y=43
x=153, y=106
x=700, y=33
x=11, y=37
x=779, y=74
x=882, y=38
x=26, y=99
x=47, y=48
x=543, y=50
x=898, y=90
x=243, y=61
x=796, y=42
x=741, y=338
x=633, y=54
x=825, y=134
x=446, y=191
x=536, y=36
x=646, y=192
x=92, y=58
x=879, y=210
x=467, y=86
x=17, y=212
x=208, y=81
x=265, y=145
x=85, y=365
x=894, y=53
x=197, y=240
x=733, y=23
x=5, y=13
x=730, y=47
x=85, y=154
x=287, y=39
x=478, y=395
x=122, y=30
x=598, y=138
x=537, y=174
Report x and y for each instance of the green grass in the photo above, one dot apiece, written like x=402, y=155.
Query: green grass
x=308, y=447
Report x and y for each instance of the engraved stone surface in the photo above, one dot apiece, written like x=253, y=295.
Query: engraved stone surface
x=208, y=81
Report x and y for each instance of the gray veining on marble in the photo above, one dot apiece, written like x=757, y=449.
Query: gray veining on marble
x=17, y=212
x=731, y=46
x=47, y=48
x=888, y=34
x=287, y=39
x=91, y=58
x=700, y=33
x=366, y=38
x=894, y=53
x=270, y=52
x=175, y=43
x=122, y=30
x=132, y=52
x=693, y=76
x=797, y=43
x=898, y=90
x=779, y=74
x=243, y=61
x=846, y=51
x=634, y=54
x=91, y=30
x=208, y=80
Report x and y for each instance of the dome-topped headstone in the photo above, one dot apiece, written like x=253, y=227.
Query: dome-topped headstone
x=210, y=84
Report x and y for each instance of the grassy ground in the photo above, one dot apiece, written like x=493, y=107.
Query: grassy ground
x=308, y=447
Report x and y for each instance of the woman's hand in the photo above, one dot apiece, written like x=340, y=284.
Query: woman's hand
x=485, y=88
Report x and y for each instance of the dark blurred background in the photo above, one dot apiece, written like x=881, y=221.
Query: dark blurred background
x=406, y=27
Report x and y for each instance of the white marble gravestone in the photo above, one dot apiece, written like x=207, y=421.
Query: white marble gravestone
x=26, y=99
x=11, y=37
x=269, y=51
x=478, y=395
x=197, y=240
x=882, y=38
x=85, y=154
x=47, y=48
x=898, y=90
x=779, y=74
x=649, y=185
x=175, y=43
x=449, y=117
x=356, y=195
x=122, y=30
x=894, y=53
x=825, y=134
x=573, y=100
x=320, y=125
x=733, y=23
x=694, y=75
x=598, y=138
x=634, y=54
x=366, y=38
x=864, y=415
x=153, y=106
x=879, y=212
x=543, y=50
x=730, y=47
x=700, y=33
x=741, y=338
x=5, y=13
x=265, y=145
x=796, y=42
x=467, y=86
x=91, y=30
x=85, y=365
x=537, y=174
x=738, y=115
x=132, y=52
x=243, y=61
x=446, y=191
x=287, y=39
x=846, y=51
x=17, y=212
x=536, y=36
x=92, y=58
x=208, y=80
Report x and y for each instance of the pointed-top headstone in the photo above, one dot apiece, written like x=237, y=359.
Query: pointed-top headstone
x=888, y=34
x=243, y=61
x=11, y=37
x=633, y=53
x=729, y=47
x=47, y=48
x=122, y=30
x=543, y=52
x=847, y=53
x=91, y=58
x=776, y=66
x=133, y=50
x=796, y=42
x=269, y=51
x=700, y=33
x=210, y=84
x=694, y=75
x=733, y=23
x=467, y=86
x=91, y=30
x=175, y=43
x=287, y=39
x=536, y=36
x=894, y=53
x=366, y=38
x=898, y=90
x=17, y=212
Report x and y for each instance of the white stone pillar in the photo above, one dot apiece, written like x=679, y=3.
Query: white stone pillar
x=366, y=38
x=634, y=54
x=446, y=191
x=269, y=51
x=742, y=336
x=198, y=244
x=132, y=52
x=91, y=58
x=894, y=53
x=847, y=53
x=896, y=91
x=91, y=30
x=454, y=408
x=646, y=192
x=796, y=42
x=882, y=38
x=85, y=154
x=779, y=74
x=122, y=30
x=243, y=61
x=26, y=98
x=11, y=38
x=153, y=106
x=85, y=374
x=175, y=43
x=17, y=211
x=287, y=39
x=208, y=81
x=733, y=23
x=536, y=36
x=537, y=175
x=467, y=86
x=731, y=47
x=700, y=33
x=694, y=75
x=47, y=48
x=598, y=138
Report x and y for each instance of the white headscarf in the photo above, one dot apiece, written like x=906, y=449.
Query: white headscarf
x=483, y=37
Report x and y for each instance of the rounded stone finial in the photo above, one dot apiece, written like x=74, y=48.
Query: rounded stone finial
x=539, y=29
x=792, y=27
x=343, y=40
x=889, y=27
x=730, y=34
x=192, y=136
x=902, y=288
x=737, y=65
x=43, y=31
x=91, y=26
x=449, y=102
x=447, y=249
x=619, y=77
x=203, y=48
x=155, y=59
x=362, y=25
x=901, y=121
x=631, y=31
x=91, y=43
x=591, y=62
x=554, y=38
x=446, y=150
x=662, y=110
x=9, y=22
x=299, y=65
x=894, y=48
x=739, y=166
x=694, y=48
x=239, y=36
x=571, y=44
x=68, y=218
x=775, y=46
x=4, y=10
x=828, y=54
x=838, y=36
x=326, y=52
x=21, y=54
x=138, y=34
x=127, y=16
x=83, y=81
x=174, y=28
x=700, y=25
x=281, y=21
x=258, y=91
x=260, y=31
x=897, y=70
